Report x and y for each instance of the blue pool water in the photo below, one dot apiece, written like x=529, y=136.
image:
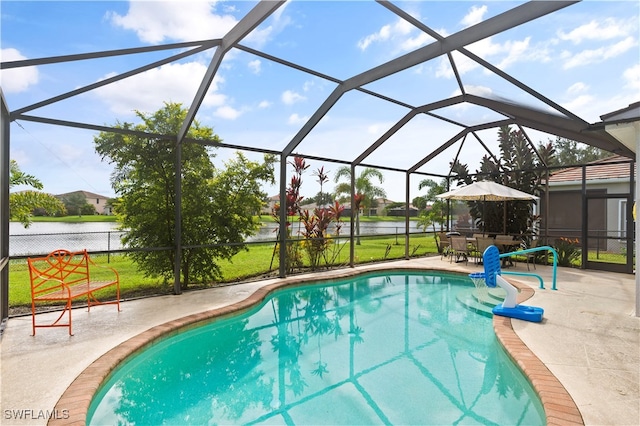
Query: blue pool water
x=392, y=348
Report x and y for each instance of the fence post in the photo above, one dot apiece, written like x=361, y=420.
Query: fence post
x=108, y=246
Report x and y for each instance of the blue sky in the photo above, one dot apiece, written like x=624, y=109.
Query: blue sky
x=585, y=57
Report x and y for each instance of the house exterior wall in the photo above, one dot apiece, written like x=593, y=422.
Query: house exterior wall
x=96, y=200
x=607, y=216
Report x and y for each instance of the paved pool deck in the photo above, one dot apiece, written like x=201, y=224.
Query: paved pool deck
x=589, y=341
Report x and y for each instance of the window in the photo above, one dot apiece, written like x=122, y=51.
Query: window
x=622, y=219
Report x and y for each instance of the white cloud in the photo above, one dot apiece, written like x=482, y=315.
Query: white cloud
x=397, y=31
x=277, y=22
x=264, y=104
x=17, y=80
x=475, y=15
x=413, y=43
x=594, y=56
x=580, y=103
x=227, y=112
x=296, y=119
x=606, y=29
x=373, y=129
x=483, y=91
x=169, y=83
x=289, y=97
x=632, y=77
x=255, y=66
x=155, y=22
x=502, y=55
x=518, y=51
x=308, y=85
x=577, y=88
x=383, y=34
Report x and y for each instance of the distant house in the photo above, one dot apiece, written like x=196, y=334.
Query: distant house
x=380, y=205
x=268, y=207
x=402, y=211
x=96, y=200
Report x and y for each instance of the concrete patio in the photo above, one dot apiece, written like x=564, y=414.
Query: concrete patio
x=589, y=339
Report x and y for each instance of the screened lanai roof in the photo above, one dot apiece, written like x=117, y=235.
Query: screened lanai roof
x=405, y=86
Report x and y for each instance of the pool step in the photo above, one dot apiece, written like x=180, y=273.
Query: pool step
x=481, y=301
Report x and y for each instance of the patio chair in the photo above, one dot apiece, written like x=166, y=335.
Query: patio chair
x=443, y=244
x=505, y=244
x=531, y=257
x=459, y=248
x=481, y=245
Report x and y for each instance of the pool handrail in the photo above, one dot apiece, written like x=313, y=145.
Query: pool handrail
x=531, y=250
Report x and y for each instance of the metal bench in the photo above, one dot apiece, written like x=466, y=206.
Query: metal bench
x=64, y=276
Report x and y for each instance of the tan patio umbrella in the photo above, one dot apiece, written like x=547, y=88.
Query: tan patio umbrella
x=486, y=190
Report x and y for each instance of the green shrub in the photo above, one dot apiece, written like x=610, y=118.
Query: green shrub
x=568, y=250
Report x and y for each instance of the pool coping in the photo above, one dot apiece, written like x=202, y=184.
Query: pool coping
x=559, y=406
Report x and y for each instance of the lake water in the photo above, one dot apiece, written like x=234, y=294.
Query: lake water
x=44, y=237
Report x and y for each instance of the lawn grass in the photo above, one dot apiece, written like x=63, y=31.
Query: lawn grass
x=255, y=262
x=258, y=261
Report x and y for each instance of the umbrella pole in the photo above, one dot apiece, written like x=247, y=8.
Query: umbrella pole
x=504, y=218
x=484, y=223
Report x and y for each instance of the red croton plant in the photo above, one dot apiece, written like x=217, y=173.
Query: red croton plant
x=313, y=227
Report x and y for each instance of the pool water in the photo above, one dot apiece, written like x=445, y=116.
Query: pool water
x=392, y=348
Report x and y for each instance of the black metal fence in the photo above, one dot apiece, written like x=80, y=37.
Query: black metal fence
x=24, y=245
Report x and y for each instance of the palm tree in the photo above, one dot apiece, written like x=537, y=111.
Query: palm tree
x=437, y=212
x=365, y=190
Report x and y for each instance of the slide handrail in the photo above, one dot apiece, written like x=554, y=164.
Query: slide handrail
x=531, y=250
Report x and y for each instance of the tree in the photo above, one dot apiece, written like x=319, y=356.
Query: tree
x=22, y=204
x=365, y=191
x=320, y=199
x=88, y=210
x=568, y=152
x=75, y=203
x=435, y=208
x=217, y=204
x=518, y=167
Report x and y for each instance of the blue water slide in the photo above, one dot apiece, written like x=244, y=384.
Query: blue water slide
x=493, y=277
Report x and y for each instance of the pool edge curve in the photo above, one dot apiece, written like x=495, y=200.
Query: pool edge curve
x=559, y=406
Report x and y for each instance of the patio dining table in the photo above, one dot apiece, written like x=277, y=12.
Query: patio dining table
x=506, y=245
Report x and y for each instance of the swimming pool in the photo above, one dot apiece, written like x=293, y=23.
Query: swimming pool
x=392, y=348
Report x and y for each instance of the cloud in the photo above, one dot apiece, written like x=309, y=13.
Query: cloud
x=577, y=88
x=278, y=21
x=227, y=112
x=521, y=51
x=296, y=119
x=412, y=43
x=606, y=29
x=264, y=104
x=632, y=77
x=474, y=16
x=580, y=103
x=483, y=91
x=594, y=56
x=395, y=31
x=155, y=22
x=255, y=66
x=383, y=34
x=289, y=97
x=408, y=38
x=17, y=80
x=168, y=83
